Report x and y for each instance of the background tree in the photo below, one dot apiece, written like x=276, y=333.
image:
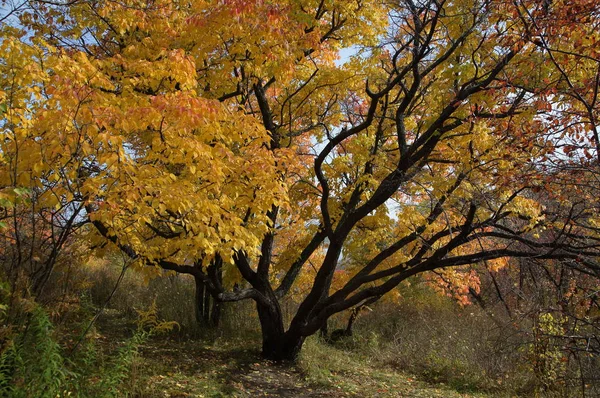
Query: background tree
x=38, y=224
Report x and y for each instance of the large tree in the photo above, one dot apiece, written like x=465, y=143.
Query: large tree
x=229, y=141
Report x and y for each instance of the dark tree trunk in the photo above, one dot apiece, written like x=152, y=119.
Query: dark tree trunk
x=324, y=331
x=271, y=324
x=207, y=309
x=280, y=346
x=276, y=343
x=199, y=300
x=285, y=348
x=206, y=315
x=216, y=273
x=215, y=316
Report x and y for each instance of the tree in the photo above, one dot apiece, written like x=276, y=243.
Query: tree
x=36, y=229
x=196, y=142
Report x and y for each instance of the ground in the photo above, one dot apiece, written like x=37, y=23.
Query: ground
x=171, y=366
x=196, y=369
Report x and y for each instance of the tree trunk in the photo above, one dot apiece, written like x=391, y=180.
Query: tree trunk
x=324, y=331
x=206, y=315
x=284, y=348
x=216, y=272
x=215, y=316
x=271, y=325
x=280, y=346
x=277, y=345
x=206, y=308
x=199, y=300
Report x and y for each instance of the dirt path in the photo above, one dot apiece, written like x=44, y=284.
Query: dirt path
x=193, y=369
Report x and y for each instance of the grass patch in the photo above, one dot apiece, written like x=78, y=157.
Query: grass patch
x=351, y=372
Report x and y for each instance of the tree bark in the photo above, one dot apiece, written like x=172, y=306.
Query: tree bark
x=277, y=345
x=281, y=346
x=215, y=315
x=271, y=324
x=216, y=272
x=207, y=309
x=206, y=314
x=199, y=300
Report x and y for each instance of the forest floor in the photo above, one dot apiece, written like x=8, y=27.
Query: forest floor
x=173, y=367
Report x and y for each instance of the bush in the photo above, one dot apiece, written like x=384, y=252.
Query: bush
x=33, y=363
x=441, y=342
x=174, y=295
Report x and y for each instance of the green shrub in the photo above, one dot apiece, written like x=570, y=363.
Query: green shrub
x=32, y=364
x=439, y=341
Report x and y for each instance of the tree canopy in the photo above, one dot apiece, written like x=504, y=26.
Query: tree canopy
x=231, y=141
